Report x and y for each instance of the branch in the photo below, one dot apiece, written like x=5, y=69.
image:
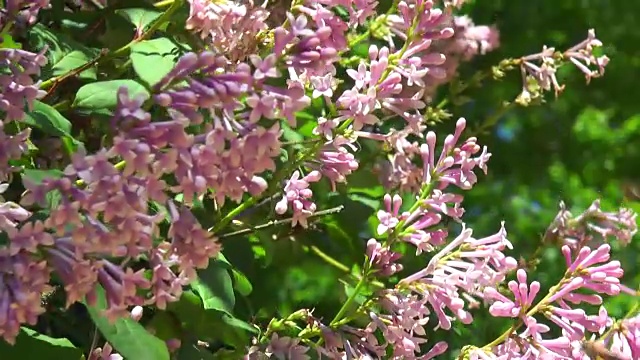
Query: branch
x=279, y=222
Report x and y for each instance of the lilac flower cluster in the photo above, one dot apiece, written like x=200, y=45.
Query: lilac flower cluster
x=230, y=28
x=21, y=11
x=17, y=88
x=469, y=41
x=467, y=272
x=542, y=76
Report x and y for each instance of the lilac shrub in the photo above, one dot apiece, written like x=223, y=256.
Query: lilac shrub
x=117, y=225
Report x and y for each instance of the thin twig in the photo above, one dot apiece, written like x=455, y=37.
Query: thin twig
x=279, y=222
x=53, y=83
x=94, y=342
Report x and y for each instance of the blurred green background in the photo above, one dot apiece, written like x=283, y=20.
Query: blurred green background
x=577, y=148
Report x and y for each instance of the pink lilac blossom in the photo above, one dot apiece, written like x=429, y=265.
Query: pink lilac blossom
x=589, y=270
x=593, y=227
x=382, y=260
x=279, y=347
x=17, y=88
x=25, y=12
x=463, y=268
x=624, y=339
x=469, y=40
x=543, y=73
x=231, y=27
x=297, y=196
x=454, y=166
x=104, y=213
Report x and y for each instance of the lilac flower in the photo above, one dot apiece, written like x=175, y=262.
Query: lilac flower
x=17, y=87
x=402, y=325
x=465, y=265
x=279, y=347
x=231, y=27
x=543, y=74
x=23, y=279
x=298, y=195
x=390, y=217
x=24, y=11
x=12, y=147
x=107, y=216
x=468, y=41
x=592, y=227
x=382, y=259
x=624, y=338
x=286, y=348
x=335, y=162
x=454, y=166
x=590, y=270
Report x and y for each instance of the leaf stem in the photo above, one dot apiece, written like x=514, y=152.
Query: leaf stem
x=279, y=222
x=347, y=304
x=164, y=3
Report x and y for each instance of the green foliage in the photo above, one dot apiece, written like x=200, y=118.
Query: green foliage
x=128, y=337
x=104, y=94
x=63, y=52
x=33, y=345
x=139, y=17
x=215, y=287
x=153, y=59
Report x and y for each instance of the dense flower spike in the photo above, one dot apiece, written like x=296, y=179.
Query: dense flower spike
x=592, y=227
x=17, y=88
x=24, y=12
x=542, y=76
x=590, y=270
x=297, y=195
x=469, y=41
x=231, y=27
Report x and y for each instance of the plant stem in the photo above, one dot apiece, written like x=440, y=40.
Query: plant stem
x=347, y=304
x=161, y=4
x=279, y=222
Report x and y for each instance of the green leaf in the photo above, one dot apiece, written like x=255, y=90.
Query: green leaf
x=234, y=331
x=48, y=119
x=153, y=59
x=129, y=338
x=215, y=288
x=239, y=324
x=118, y=32
x=64, y=53
x=36, y=176
x=241, y=283
x=33, y=345
x=194, y=352
x=139, y=17
x=193, y=318
x=73, y=60
x=104, y=94
x=165, y=325
x=7, y=42
x=290, y=134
